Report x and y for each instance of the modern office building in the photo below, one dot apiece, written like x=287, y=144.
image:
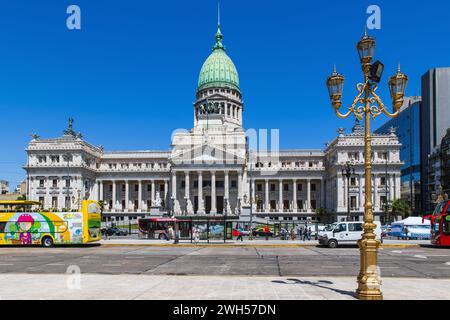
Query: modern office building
x=445, y=163
x=434, y=122
x=407, y=127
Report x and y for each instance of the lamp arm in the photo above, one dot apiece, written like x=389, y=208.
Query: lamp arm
x=361, y=87
x=383, y=107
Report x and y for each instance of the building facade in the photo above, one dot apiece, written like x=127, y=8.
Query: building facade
x=407, y=126
x=435, y=120
x=215, y=168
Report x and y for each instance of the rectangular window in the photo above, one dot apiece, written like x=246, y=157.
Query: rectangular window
x=272, y=187
x=234, y=184
x=383, y=200
x=299, y=187
x=353, y=182
x=286, y=187
x=383, y=181
x=313, y=187
x=41, y=183
x=54, y=202
x=41, y=200
x=68, y=183
x=220, y=184
x=353, y=202
x=110, y=188
x=259, y=187
x=313, y=204
x=55, y=183
x=123, y=187
x=149, y=187
x=183, y=184
x=136, y=187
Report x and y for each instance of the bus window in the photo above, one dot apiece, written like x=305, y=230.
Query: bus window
x=2, y=227
x=446, y=226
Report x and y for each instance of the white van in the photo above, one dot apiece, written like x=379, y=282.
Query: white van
x=345, y=233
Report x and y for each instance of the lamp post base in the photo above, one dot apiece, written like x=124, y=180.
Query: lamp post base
x=369, y=281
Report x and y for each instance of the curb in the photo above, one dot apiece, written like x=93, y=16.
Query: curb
x=387, y=246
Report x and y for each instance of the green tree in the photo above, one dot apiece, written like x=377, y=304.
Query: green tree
x=320, y=213
x=400, y=208
x=22, y=197
x=101, y=203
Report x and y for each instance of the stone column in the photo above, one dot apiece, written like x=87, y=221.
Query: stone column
x=375, y=193
x=280, y=196
x=139, y=196
x=308, y=195
x=213, y=192
x=186, y=185
x=166, y=192
x=127, y=195
x=114, y=195
x=227, y=186
x=152, y=198
x=174, y=186
x=253, y=191
x=201, y=206
x=100, y=196
x=345, y=193
x=322, y=194
x=361, y=196
x=240, y=185
x=391, y=195
x=294, y=195
x=266, y=199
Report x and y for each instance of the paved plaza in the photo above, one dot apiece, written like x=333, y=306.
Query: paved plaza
x=227, y=272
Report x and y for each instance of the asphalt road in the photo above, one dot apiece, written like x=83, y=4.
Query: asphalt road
x=422, y=262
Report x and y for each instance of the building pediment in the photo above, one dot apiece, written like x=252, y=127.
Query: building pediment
x=207, y=154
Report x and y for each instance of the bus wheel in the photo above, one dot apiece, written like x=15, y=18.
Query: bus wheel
x=332, y=244
x=162, y=236
x=47, y=242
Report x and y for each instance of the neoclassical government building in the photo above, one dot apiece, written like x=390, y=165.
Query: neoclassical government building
x=215, y=167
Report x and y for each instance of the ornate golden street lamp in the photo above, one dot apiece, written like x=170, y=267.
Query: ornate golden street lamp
x=367, y=105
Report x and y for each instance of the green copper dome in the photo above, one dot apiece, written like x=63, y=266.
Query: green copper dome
x=218, y=70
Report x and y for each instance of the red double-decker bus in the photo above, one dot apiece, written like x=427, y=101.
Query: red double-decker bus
x=440, y=224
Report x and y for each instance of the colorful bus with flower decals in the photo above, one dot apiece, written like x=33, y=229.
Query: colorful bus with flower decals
x=47, y=228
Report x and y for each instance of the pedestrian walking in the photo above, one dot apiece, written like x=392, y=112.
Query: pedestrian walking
x=196, y=236
x=309, y=234
x=300, y=237
x=293, y=234
x=170, y=233
x=240, y=235
x=299, y=232
x=266, y=231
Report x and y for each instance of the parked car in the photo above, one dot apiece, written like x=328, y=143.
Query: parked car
x=261, y=233
x=345, y=233
x=385, y=230
x=114, y=231
x=236, y=232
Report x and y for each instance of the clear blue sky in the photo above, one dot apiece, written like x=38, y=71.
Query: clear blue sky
x=129, y=76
